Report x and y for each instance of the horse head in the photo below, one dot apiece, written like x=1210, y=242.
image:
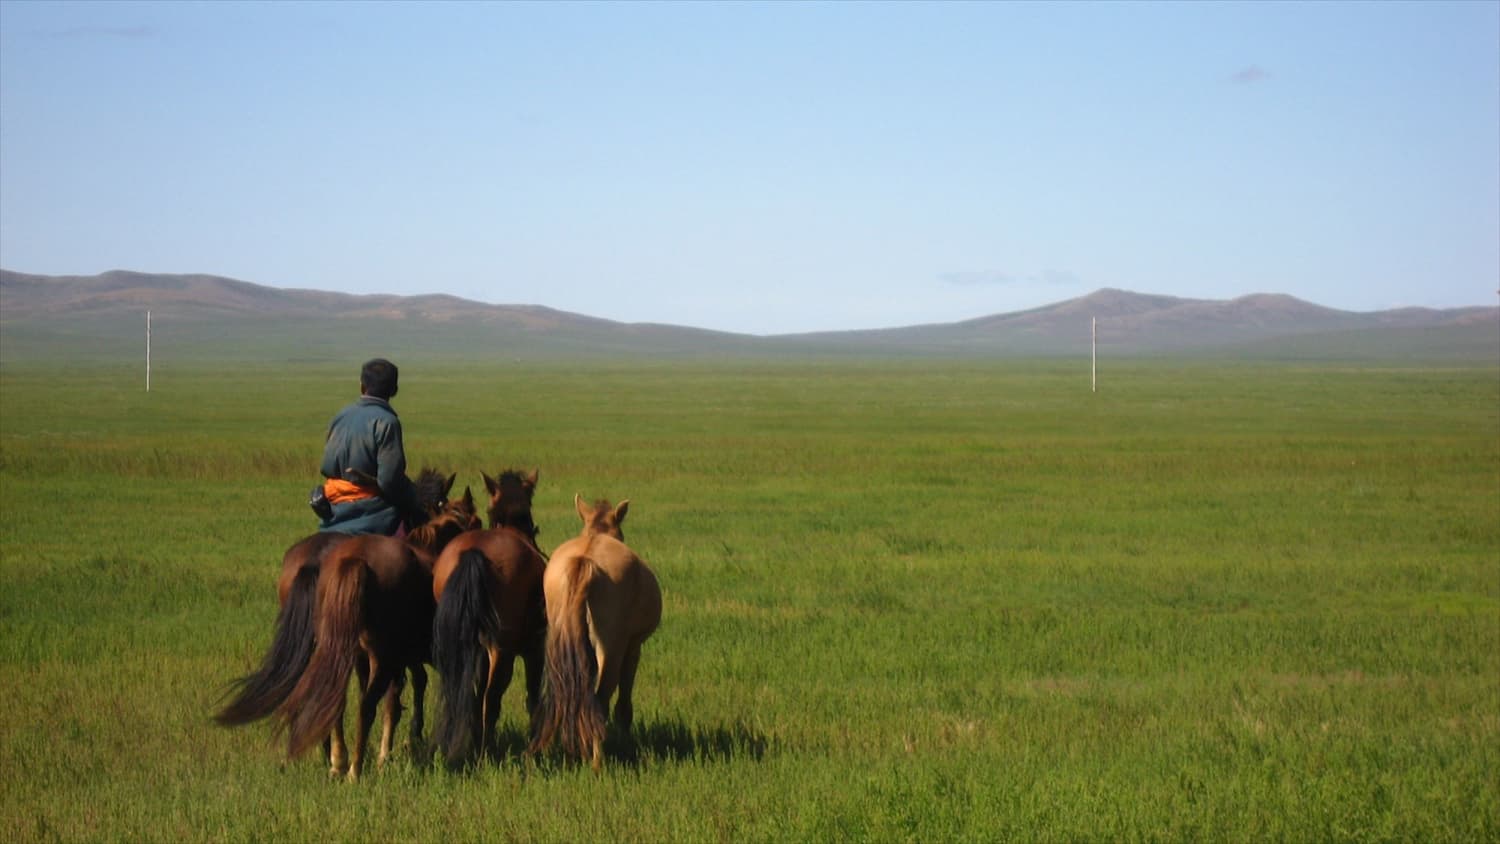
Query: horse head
x=600, y=517
x=463, y=511
x=510, y=501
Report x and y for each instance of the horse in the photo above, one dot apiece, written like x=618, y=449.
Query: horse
x=488, y=589
x=373, y=614
x=602, y=603
x=265, y=690
x=260, y=692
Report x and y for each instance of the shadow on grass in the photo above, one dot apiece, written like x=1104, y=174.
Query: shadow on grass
x=506, y=748
x=651, y=742
x=674, y=740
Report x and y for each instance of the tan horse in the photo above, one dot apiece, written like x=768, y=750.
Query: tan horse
x=488, y=591
x=602, y=604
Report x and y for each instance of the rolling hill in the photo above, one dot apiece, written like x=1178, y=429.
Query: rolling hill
x=1141, y=324
x=92, y=316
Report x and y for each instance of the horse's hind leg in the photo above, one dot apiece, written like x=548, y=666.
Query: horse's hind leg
x=392, y=713
x=534, y=658
x=611, y=662
x=338, y=752
x=609, y=679
x=625, y=707
x=369, y=700
x=502, y=667
x=534, y=650
x=418, y=693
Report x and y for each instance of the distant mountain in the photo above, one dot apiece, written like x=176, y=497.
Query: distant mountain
x=1259, y=325
x=29, y=296
x=1135, y=323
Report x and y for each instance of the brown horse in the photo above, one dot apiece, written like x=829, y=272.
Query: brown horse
x=374, y=596
x=602, y=604
x=487, y=585
x=263, y=691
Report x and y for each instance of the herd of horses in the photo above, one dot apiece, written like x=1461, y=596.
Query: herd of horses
x=468, y=601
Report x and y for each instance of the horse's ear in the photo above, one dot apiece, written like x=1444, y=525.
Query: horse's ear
x=620, y=510
x=531, y=479
x=490, y=484
x=468, y=498
x=448, y=487
x=583, y=512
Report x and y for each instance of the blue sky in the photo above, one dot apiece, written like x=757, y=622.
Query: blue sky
x=762, y=167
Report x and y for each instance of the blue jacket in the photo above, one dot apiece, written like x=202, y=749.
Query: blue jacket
x=364, y=439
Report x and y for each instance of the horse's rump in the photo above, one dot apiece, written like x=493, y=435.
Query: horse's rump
x=317, y=701
x=309, y=551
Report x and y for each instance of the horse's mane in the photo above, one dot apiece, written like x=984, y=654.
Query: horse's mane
x=432, y=491
x=440, y=529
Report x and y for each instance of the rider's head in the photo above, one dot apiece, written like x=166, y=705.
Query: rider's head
x=378, y=379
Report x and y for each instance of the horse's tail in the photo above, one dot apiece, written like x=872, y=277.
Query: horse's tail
x=464, y=621
x=257, y=694
x=569, y=712
x=317, y=702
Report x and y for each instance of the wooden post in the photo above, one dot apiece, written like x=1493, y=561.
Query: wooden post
x=1094, y=346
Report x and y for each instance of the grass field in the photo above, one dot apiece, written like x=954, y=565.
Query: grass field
x=907, y=601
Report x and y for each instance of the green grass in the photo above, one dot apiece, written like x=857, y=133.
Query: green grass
x=903, y=601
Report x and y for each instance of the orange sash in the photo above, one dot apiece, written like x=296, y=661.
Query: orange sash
x=339, y=491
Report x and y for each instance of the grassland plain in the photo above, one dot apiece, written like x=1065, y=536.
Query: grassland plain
x=904, y=601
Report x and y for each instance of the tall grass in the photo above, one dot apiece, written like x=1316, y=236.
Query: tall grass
x=933, y=601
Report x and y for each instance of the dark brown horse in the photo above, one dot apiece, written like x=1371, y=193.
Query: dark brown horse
x=263, y=691
x=373, y=612
x=602, y=604
x=487, y=585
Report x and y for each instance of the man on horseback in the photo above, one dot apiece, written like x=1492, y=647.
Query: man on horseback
x=366, y=489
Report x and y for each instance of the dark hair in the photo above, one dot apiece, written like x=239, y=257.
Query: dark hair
x=378, y=378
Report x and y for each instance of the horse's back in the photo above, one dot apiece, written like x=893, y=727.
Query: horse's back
x=510, y=555
x=391, y=561
x=513, y=560
x=624, y=594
